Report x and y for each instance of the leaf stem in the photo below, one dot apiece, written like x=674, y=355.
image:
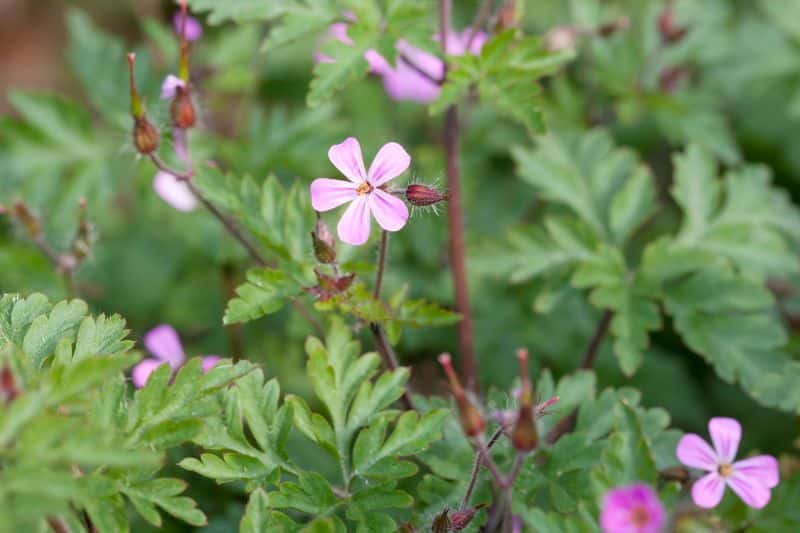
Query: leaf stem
x=456, y=223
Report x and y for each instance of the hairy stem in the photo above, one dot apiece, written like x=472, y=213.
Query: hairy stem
x=389, y=359
x=456, y=223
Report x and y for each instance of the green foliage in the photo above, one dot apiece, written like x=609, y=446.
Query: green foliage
x=73, y=439
x=359, y=433
x=504, y=73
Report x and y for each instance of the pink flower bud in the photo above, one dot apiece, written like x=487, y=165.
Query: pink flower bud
x=421, y=195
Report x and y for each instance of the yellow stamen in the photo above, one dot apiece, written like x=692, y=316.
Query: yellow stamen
x=363, y=188
x=724, y=470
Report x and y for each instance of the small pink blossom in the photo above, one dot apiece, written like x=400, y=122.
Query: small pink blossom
x=365, y=190
x=751, y=479
x=170, y=85
x=632, y=509
x=174, y=191
x=194, y=30
x=163, y=342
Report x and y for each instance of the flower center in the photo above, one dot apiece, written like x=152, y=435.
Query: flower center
x=363, y=188
x=639, y=516
x=724, y=470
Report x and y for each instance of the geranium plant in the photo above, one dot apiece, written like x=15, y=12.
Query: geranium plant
x=581, y=198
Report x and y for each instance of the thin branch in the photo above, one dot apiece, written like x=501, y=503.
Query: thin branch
x=389, y=358
x=456, y=225
x=480, y=19
x=486, y=458
x=419, y=70
x=476, y=467
x=382, y=251
x=597, y=339
x=567, y=424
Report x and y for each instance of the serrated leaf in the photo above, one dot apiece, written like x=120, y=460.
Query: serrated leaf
x=266, y=291
x=239, y=11
x=311, y=494
x=258, y=518
x=47, y=330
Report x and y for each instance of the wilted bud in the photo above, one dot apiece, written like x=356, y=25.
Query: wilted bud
x=471, y=419
x=182, y=108
x=670, y=32
x=524, y=437
x=29, y=221
x=81, y=244
x=323, y=241
x=441, y=523
x=8, y=385
x=145, y=135
x=462, y=518
x=421, y=195
x=561, y=38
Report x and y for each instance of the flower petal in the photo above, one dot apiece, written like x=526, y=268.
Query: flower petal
x=338, y=31
x=174, y=191
x=194, y=30
x=695, y=452
x=430, y=65
x=327, y=194
x=707, y=491
x=163, y=342
x=405, y=83
x=171, y=82
x=346, y=156
x=353, y=227
x=142, y=371
x=209, y=361
x=390, y=161
x=377, y=63
x=725, y=434
x=763, y=468
x=390, y=211
x=750, y=489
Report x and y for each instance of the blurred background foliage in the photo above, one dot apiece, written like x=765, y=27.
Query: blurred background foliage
x=731, y=83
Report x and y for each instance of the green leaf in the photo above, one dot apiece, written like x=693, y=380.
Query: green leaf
x=258, y=518
x=46, y=330
x=311, y=495
x=164, y=492
x=101, y=335
x=238, y=11
x=265, y=292
x=348, y=63
x=301, y=18
x=742, y=218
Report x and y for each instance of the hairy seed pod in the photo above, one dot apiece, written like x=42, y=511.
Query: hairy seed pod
x=145, y=135
x=182, y=108
x=421, y=195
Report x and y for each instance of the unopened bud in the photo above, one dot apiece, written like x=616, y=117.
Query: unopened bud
x=182, y=108
x=29, y=221
x=145, y=135
x=421, y=195
x=524, y=437
x=610, y=28
x=462, y=518
x=441, y=523
x=471, y=419
x=81, y=244
x=510, y=15
x=561, y=38
x=323, y=242
x=670, y=32
x=8, y=385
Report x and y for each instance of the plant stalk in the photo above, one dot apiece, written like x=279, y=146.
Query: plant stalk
x=456, y=223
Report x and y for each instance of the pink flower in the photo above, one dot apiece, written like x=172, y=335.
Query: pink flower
x=365, y=191
x=632, y=509
x=194, y=30
x=170, y=85
x=416, y=75
x=163, y=342
x=751, y=479
x=174, y=191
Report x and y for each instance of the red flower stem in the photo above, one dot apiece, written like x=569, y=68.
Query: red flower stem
x=476, y=468
x=382, y=251
x=456, y=226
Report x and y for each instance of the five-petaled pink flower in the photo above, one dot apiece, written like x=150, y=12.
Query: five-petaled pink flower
x=632, y=509
x=163, y=342
x=365, y=190
x=751, y=479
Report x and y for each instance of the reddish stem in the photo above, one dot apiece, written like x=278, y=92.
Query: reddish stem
x=458, y=263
